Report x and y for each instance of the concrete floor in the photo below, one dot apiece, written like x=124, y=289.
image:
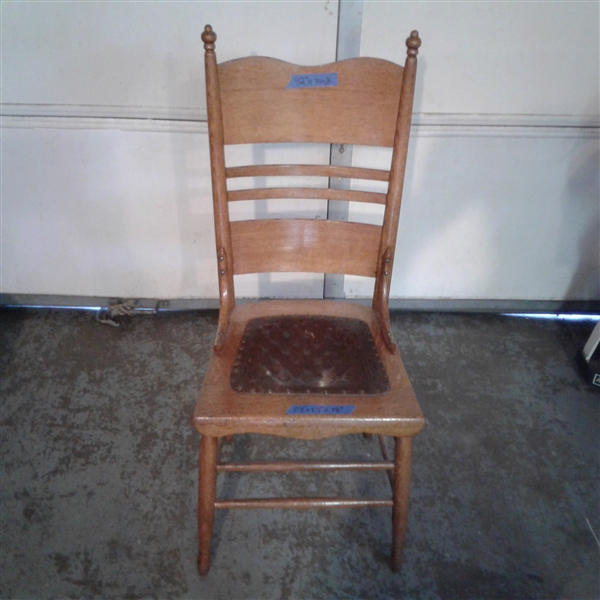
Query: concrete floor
x=99, y=469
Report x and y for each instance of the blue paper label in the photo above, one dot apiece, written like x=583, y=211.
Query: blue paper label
x=315, y=409
x=313, y=80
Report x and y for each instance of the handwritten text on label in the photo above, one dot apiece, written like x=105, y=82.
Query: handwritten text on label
x=312, y=80
x=315, y=409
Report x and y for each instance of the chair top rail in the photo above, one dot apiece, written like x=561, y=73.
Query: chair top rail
x=322, y=68
x=354, y=101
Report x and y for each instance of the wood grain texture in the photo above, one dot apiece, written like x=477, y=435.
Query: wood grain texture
x=303, y=503
x=222, y=411
x=397, y=173
x=304, y=246
x=401, y=494
x=219, y=183
x=306, y=194
x=310, y=170
x=257, y=106
x=249, y=102
x=207, y=482
x=288, y=466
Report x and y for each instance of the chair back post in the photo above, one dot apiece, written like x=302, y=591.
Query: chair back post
x=396, y=184
x=219, y=185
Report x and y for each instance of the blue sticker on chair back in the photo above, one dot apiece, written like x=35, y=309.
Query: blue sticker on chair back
x=316, y=409
x=313, y=80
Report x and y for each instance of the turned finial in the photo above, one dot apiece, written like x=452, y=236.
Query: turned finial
x=412, y=43
x=209, y=37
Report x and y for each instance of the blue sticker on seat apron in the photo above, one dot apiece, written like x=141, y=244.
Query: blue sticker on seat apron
x=313, y=80
x=315, y=409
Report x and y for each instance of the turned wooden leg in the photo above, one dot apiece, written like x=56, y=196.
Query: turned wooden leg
x=401, y=491
x=206, y=499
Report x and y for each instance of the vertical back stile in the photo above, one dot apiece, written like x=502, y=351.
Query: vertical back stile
x=219, y=184
x=394, y=197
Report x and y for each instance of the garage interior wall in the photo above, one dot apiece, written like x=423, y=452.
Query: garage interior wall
x=105, y=168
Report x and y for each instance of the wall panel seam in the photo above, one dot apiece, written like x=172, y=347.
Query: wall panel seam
x=192, y=121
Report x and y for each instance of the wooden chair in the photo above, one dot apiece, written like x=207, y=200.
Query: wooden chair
x=306, y=369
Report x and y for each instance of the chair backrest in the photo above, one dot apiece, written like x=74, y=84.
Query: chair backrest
x=361, y=101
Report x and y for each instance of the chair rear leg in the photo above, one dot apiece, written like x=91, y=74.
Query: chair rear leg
x=401, y=492
x=206, y=499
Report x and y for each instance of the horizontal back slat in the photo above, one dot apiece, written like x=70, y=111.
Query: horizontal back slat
x=258, y=107
x=306, y=194
x=304, y=245
x=308, y=170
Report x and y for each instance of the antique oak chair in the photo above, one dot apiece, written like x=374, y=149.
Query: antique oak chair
x=306, y=369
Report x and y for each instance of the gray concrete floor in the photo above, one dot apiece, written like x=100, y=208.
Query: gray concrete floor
x=99, y=469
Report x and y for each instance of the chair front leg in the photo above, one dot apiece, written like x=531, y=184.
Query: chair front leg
x=206, y=499
x=401, y=493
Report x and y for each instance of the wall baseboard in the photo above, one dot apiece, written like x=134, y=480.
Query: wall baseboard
x=412, y=304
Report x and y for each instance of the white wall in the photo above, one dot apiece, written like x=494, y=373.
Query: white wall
x=495, y=58
x=129, y=57
x=502, y=195
x=105, y=175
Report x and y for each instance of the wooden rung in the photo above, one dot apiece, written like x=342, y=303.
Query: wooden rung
x=302, y=503
x=304, y=466
x=306, y=194
x=308, y=170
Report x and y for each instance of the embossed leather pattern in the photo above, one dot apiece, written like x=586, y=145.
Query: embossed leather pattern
x=308, y=355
